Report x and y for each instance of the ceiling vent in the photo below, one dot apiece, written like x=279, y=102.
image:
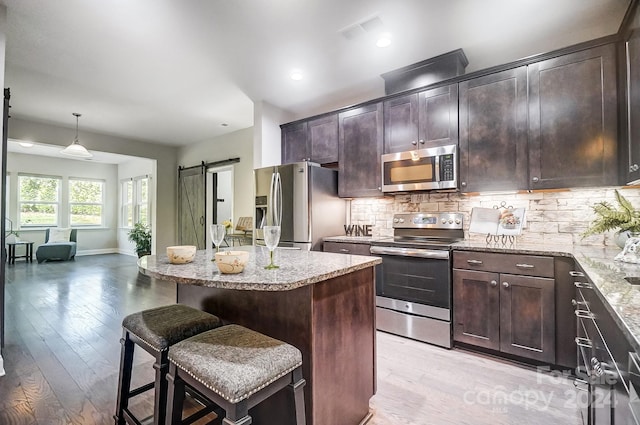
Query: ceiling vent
x=368, y=25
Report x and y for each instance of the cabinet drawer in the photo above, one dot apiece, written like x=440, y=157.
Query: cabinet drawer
x=530, y=265
x=347, y=248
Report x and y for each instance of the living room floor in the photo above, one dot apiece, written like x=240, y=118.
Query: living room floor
x=62, y=352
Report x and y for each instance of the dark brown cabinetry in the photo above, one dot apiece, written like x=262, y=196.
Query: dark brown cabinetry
x=493, y=132
x=360, y=141
x=573, y=120
x=313, y=140
x=631, y=146
x=421, y=120
x=505, y=303
x=347, y=248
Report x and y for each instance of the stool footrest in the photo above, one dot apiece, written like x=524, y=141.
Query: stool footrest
x=129, y=418
x=141, y=389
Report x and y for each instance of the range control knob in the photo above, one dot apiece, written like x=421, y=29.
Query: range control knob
x=457, y=221
x=450, y=221
x=395, y=220
x=402, y=220
x=444, y=221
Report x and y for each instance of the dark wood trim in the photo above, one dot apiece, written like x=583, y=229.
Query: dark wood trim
x=625, y=25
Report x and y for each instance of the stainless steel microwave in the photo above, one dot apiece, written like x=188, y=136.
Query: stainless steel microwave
x=422, y=169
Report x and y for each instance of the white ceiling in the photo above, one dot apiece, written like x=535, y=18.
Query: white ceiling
x=173, y=71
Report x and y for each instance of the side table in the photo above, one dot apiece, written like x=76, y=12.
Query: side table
x=11, y=254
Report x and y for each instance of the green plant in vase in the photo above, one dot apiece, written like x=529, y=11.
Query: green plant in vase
x=141, y=236
x=624, y=219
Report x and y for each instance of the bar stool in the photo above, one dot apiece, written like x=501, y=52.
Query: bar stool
x=236, y=368
x=154, y=330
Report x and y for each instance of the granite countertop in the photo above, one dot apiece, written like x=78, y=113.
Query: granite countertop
x=621, y=298
x=297, y=268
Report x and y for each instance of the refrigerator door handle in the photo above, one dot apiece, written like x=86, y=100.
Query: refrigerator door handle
x=275, y=198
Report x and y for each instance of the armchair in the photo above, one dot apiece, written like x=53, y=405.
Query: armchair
x=55, y=249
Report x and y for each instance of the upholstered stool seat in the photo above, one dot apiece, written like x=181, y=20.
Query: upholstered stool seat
x=236, y=368
x=155, y=330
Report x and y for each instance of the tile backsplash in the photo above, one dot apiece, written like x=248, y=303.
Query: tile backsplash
x=557, y=217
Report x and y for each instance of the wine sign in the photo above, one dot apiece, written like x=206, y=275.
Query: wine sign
x=355, y=230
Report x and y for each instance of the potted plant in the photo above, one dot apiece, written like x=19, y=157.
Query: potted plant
x=141, y=236
x=625, y=218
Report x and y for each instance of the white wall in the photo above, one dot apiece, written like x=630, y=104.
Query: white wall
x=135, y=168
x=90, y=240
x=238, y=144
x=165, y=167
x=266, y=137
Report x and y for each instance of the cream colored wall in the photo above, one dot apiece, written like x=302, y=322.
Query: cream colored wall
x=238, y=144
x=165, y=166
x=90, y=241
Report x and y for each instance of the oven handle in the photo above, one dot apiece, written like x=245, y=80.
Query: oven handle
x=410, y=252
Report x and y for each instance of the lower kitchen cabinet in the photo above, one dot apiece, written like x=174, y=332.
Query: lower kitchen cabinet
x=510, y=313
x=347, y=248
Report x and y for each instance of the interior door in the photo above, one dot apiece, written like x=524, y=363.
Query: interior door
x=191, y=206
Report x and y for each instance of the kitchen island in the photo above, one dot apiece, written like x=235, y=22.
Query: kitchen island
x=322, y=303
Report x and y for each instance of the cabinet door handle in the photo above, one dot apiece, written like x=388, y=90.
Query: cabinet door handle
x=577, y=303
x=585, y=285
x=463, y=184
x=535, y=179
x=576, y=274
x=584, y=314
x=474, y=262
x=422, y=143
x=525, y=266
x=414, y=143
x=344, y=250
x=633, y=168
x=505, y=284
x=494, y=283
x=583, y=342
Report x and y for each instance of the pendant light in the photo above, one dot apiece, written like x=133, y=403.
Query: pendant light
x=75, y=148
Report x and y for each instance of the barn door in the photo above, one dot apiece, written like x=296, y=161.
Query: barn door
x=191, y=206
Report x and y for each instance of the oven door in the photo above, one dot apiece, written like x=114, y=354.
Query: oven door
x=414, y=281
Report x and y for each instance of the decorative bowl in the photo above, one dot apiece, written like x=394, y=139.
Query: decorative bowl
x=231, y=261
x=181, y=254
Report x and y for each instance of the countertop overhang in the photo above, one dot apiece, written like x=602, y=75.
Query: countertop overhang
x=297, y=269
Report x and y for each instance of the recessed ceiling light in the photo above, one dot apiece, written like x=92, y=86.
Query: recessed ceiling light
x=384, y=40
x=224, y=124
x=26, y=144
x=296, y=75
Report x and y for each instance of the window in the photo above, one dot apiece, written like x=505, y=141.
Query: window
x=86, y=199
x=142, y=198
x=127, y=203
x=38, y=200
x=135, y=201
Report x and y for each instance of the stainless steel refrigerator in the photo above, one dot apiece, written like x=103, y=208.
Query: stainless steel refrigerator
x=303, y=197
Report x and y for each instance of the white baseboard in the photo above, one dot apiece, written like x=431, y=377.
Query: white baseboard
x=1, y=366
x=125, y=252
x=97, y=252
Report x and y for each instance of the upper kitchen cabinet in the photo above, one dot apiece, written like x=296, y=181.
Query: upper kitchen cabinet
x=573, y=120
x=361, y=139
x=493, y=131
x=421, y=120
x=314, y=140
x=630, y=147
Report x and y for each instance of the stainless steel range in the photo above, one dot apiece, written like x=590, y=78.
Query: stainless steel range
x=413, y=283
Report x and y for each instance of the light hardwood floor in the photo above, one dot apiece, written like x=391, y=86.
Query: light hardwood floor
x=62, y=347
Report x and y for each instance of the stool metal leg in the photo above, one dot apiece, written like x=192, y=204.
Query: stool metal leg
x=297, y=388
x=124, y=380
